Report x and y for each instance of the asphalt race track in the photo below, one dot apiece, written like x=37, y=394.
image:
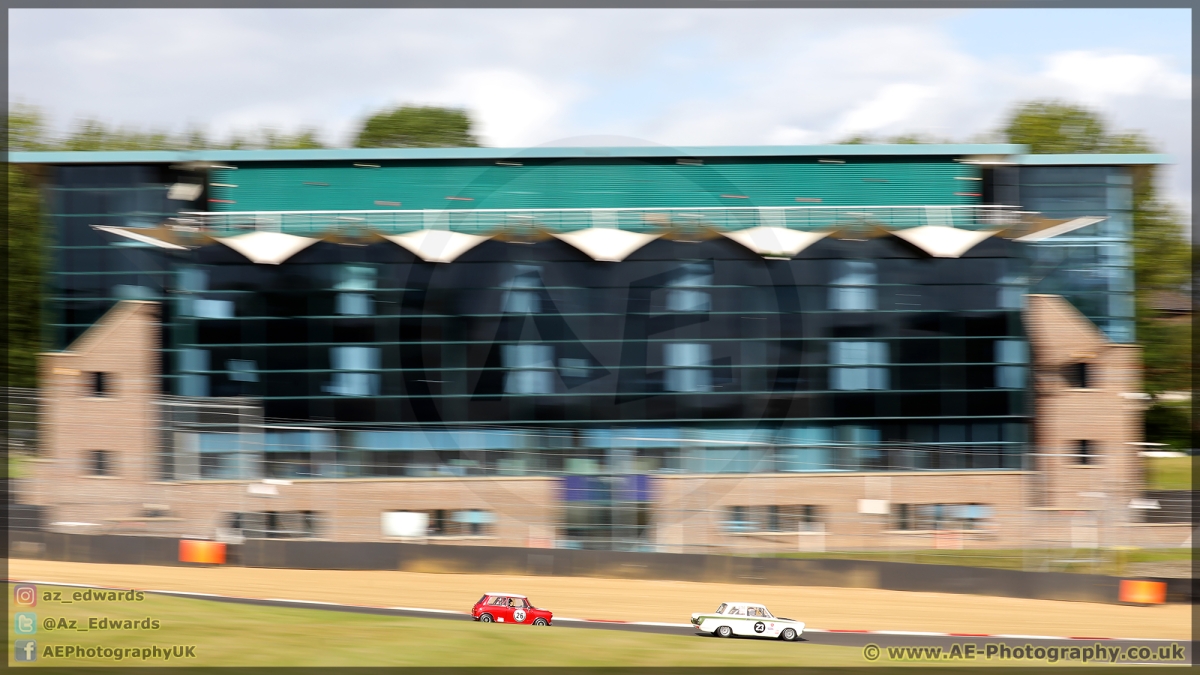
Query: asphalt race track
x=859, y=639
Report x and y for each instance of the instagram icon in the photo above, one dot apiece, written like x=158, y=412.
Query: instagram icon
x=25, y=595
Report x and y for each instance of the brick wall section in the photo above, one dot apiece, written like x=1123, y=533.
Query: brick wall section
x=690, y=509
x=75, y=423
x=1101, y=414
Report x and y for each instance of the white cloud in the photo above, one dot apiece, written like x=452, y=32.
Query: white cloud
x=532, y=77
x=1097, y=77
x=894, y=103
x=514, y=109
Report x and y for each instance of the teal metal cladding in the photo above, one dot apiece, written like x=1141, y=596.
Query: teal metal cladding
x=591, y=184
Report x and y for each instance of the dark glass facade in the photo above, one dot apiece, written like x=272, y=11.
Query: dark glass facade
x=689, y=356
x=694, y=354
x=88, y=271
x=1091, y=267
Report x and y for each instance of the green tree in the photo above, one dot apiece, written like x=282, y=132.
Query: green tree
x=1057, y=127
x=23, y=250
x=1161, y=252
x=269, y=138
x=417, y=127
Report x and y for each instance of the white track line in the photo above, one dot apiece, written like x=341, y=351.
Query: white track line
x=593, y=621
x=423, y=609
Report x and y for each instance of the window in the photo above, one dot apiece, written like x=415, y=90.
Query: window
x=354, y=364
x=809, y=517
x=193, y=364
x=355, y=304
x=212, y=309
x=1011, y=291
x=522, y=296
x=531, y=369
x=1011, y=352
x=573, y=367
x=738, y=520
x=682, y=360
x=866, y=357
x=242, y=371
x=683, y=297
x=101, y=464
x=470, y=522
x=772, y=518
x=1084, y=452
x=851, y=288
x=99, y=384
x=1077, y=375
x=276, y=524
x=927, y=517
x=351, y=279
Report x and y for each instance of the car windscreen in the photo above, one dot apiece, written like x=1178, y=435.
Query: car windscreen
x=721, y=609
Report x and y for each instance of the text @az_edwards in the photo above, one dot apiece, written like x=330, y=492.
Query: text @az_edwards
x=98, y=623
x=999, y=651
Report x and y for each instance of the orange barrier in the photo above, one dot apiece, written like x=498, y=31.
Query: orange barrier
x=207, y=552
x=1143, y=592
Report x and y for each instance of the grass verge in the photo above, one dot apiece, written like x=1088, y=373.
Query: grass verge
x=226, y=634
x=1169, y=473
x=1100, y=561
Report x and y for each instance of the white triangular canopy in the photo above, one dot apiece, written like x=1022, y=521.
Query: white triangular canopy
x=775, y=241
x=268, y=248
x=132, y=233
x=607, y=244
x=437, y=245
x=941, y=241
x=1061, y=228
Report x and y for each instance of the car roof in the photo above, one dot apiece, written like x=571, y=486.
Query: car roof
x=507, y=595
x=745, y=604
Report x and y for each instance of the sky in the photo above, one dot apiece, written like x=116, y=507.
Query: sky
x=613, y=76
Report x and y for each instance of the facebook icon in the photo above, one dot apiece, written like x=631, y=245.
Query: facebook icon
x=25, y=650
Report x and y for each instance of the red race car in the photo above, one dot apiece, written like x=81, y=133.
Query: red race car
x=509, y=608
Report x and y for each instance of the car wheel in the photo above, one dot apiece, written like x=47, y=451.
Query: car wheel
x=788, y=634
x=539, y=622
x=486, y=618
x=724, y=631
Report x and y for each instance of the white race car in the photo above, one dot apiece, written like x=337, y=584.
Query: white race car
x=748, y=619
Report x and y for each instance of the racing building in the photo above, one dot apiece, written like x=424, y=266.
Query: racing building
x=642, y=348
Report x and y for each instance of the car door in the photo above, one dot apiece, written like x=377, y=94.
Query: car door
x=764, y=624
x=501, y=611
x=753, y=625
x=521, y=613
x=738, y=622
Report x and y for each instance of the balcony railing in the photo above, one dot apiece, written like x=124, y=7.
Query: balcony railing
x=490, y=221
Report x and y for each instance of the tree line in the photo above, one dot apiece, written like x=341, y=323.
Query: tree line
x=1162, y=256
